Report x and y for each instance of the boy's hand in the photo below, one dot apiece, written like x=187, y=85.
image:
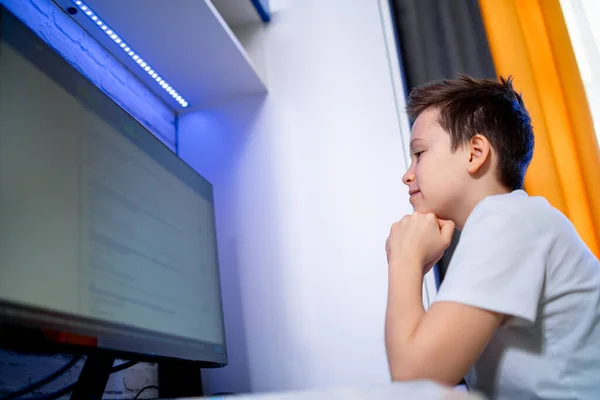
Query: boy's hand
x=419, y=238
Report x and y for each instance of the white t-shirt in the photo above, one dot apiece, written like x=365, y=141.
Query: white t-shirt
x=519, y=256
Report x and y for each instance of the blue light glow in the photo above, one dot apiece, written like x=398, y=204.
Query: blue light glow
x=125, y=47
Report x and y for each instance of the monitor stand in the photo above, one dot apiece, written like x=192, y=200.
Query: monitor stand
x=93, y=378
x=179, y=378
x=176, y=378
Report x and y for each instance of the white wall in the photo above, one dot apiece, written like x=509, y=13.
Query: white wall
x=307, y=182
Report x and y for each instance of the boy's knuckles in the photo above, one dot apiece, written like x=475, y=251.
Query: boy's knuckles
x=430, y=217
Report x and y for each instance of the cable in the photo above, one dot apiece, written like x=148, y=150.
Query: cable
x=57, y=394
x=144, y=389
x=71, y=387
x=42, y=382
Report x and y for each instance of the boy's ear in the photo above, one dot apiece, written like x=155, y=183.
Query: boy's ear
x=479, y=152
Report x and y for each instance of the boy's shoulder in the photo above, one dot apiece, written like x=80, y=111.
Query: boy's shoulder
x=523, y=212
x=518, y=219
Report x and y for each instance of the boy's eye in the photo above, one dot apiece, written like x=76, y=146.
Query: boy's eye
x=418, y=154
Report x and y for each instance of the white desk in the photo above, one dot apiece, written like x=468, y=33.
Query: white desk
x=395, y=391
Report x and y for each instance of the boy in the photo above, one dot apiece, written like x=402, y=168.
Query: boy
x=520, y=302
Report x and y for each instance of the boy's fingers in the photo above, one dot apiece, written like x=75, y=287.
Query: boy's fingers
x=447, y=229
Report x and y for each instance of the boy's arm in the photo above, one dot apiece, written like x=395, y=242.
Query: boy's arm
x=440, y=344
x=498, y=270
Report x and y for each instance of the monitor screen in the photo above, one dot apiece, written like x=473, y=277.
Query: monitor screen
x=104, y=231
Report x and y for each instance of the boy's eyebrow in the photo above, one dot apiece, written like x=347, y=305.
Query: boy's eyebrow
x=413, y=141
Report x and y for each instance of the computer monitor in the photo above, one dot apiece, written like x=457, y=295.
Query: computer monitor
x=106, y=235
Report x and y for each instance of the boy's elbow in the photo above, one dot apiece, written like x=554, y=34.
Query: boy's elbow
x=404, y=375
x=404, y=371
x=410, y=363
x=404, y=364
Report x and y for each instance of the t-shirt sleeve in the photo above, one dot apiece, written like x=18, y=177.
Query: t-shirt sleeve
x=498, y=265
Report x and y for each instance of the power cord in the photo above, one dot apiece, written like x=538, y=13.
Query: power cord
x=71, y=387
x=142, y=390
x=66, y=389
x=57, y=394
x=42, y=382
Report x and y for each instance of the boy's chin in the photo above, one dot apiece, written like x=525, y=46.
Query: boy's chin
x=420, y=205
x=424, y=209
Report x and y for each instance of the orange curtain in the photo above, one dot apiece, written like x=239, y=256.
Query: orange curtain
x=529, y=40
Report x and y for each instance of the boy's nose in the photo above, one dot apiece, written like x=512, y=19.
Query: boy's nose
x=409, y=177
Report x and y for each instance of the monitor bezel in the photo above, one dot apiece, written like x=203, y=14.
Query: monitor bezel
x=119, y=340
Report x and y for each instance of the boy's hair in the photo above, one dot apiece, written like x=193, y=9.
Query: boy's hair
x=469, y=106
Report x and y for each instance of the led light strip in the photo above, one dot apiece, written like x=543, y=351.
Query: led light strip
x=127, y=49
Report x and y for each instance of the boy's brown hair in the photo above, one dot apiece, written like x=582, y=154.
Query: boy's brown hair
x=469, y=106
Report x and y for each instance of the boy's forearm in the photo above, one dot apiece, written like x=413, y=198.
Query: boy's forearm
x=404, y=313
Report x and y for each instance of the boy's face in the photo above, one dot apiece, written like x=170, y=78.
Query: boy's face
x=437, y=176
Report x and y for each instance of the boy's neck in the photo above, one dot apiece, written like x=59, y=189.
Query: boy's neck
x=476, y=196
